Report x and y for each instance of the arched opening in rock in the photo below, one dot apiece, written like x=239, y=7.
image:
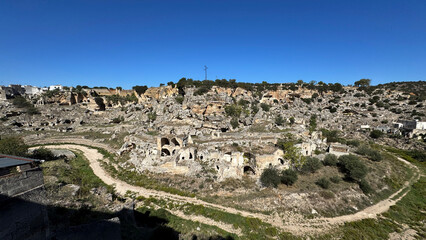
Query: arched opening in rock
x=217, y=167
x=201, y=157
x=190, y=155
x=165, y=152
x=164, y=141
x=248, y=170
x=175, y=142
x=281, y=161
x=224, y=129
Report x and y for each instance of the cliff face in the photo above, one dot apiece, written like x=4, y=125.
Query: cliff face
x=158, y=93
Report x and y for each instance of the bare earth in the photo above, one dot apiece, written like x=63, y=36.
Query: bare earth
x=296, y=226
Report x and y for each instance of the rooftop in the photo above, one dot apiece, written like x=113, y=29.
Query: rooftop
x=12, y=161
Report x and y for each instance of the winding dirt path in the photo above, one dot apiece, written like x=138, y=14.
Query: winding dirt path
x=294, y=226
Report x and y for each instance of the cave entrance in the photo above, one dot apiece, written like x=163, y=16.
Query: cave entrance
x=248, y=170
x=165, y=152
x=175, y=142
x=164, y=141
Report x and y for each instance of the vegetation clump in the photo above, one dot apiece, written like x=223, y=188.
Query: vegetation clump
x=13, y=146
x=330, y=160
x=323, y=183
x=21, y=102
x=376, y=134
x=311, y=165
x=288, y=177
x=372, y=154
x=270, y=177
x=352, y=167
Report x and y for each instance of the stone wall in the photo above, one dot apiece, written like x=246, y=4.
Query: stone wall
x=23, y=214
x=19, y=183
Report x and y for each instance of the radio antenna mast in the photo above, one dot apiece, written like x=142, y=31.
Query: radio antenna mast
x=205, y=70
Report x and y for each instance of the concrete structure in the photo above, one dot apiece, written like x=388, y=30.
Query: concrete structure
x=413, y=124
x=338, y=149
x=23, y=214
x=54, y=87
x=2, y=94
x=31, y=90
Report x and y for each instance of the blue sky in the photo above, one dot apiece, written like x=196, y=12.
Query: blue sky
x=127, y=43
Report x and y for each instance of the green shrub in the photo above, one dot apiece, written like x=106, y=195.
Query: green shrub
x=327, y=194
x=354, y=143
x=13, y=146
x=311, y=165
x=234, y=123
x=352, y=167
x=233, y=110
x=323, y=182
x=265, y=107
x=372, y=154
x=201, y=90
x=270, y=177
x=179, y=99
x=21, y=102
x=365, y=186
x=376, y=134
x=152, y=116
x=330, y=160
x=288, y=177
x=335, y=179
x=279, y=120
x=43, y=154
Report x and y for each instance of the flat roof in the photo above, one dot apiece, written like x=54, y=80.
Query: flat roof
x=11, y=161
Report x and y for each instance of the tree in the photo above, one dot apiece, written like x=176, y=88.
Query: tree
x=288, y=177
x=330, y=160
x=352, y=167
x=294, y=155
x=233, y=110
x=13, y=146
x=140, y=89
x=270, y=177
x=365, y=82
x=311, y=165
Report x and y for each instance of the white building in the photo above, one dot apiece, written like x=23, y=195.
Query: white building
x=31, y=90
x=53, y=87
x=413, y=124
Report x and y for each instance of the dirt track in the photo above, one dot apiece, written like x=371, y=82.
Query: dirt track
x=294, y=226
